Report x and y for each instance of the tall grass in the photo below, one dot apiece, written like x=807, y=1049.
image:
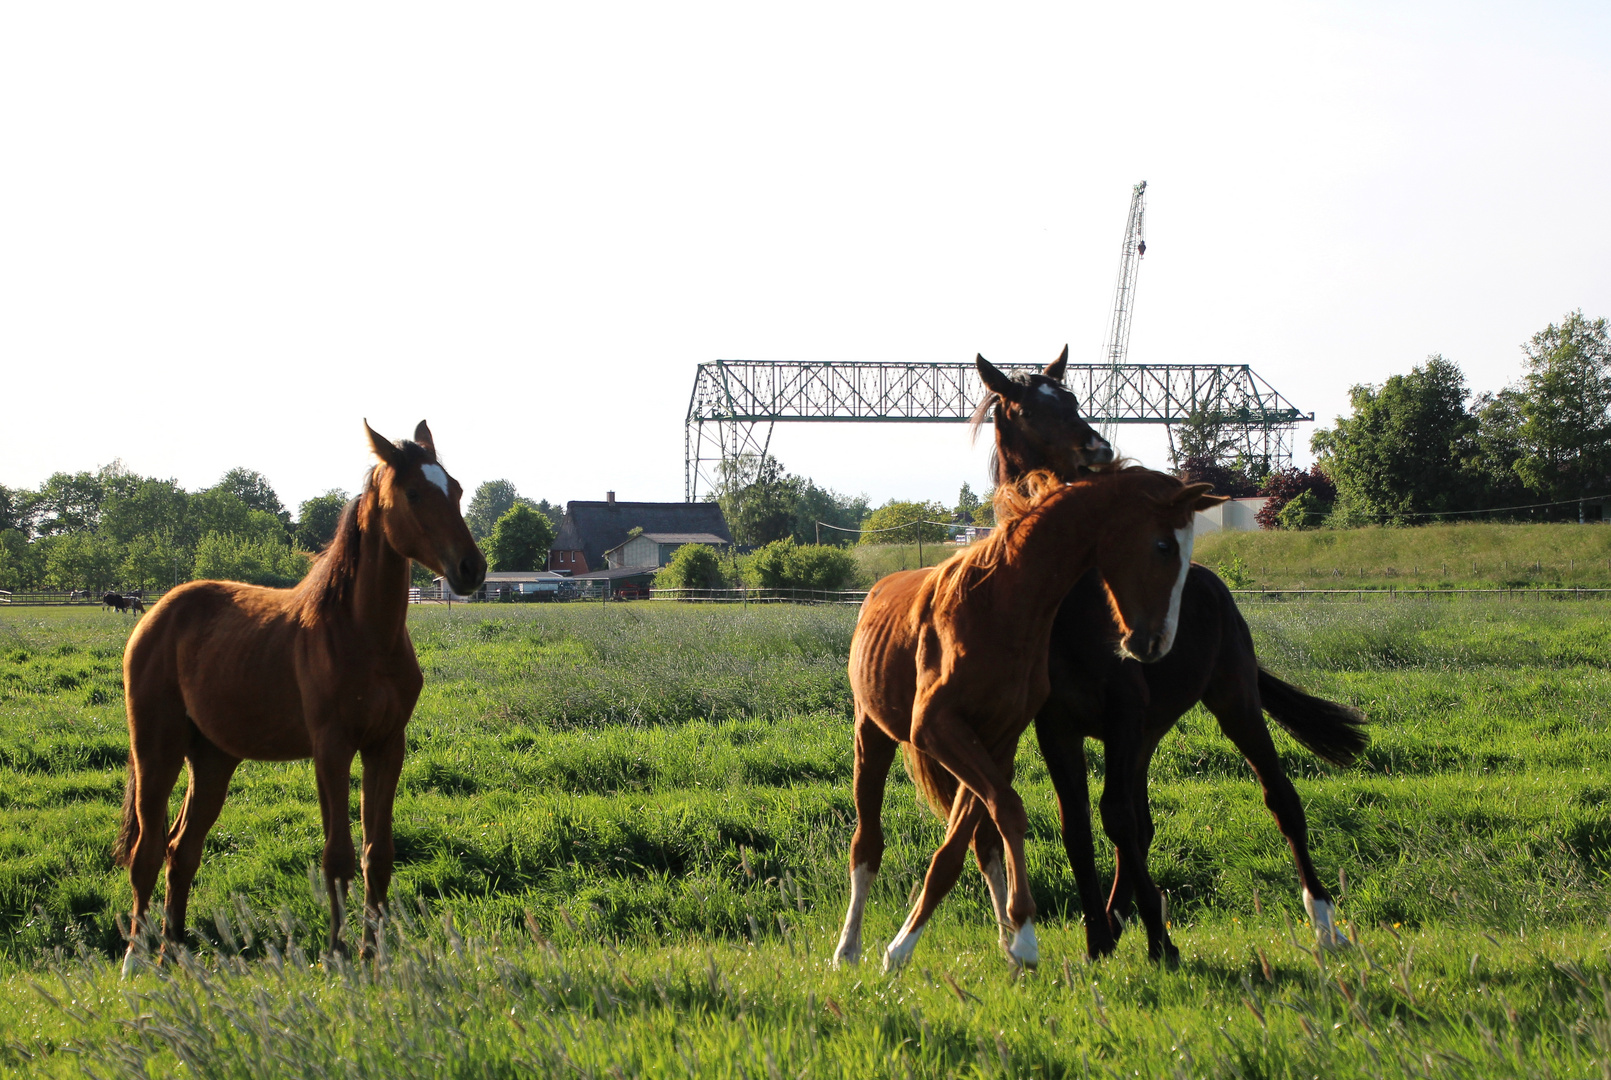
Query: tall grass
x=637, y=818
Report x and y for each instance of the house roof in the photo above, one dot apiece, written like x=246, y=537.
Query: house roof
x=596, y=527
x=673, y=538
x=616, y=574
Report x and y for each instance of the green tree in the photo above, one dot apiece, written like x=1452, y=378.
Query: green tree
x=491, y=501
x=843, y=512
x=69, y=503
x=1565, y=407
x=82, y=560
x=520, y=540
x=1403, y=450
x=22, y=565
x=554, y=512
x=153, y=561
x=16, y=509
x=692, y=566
x=150, y=506
x=253, y=489
x=758, y=499
x=317, y=519
x=967, y=503
x=253, y=559
x=894, y=514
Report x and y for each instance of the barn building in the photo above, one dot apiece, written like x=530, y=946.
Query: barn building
x=598, y=536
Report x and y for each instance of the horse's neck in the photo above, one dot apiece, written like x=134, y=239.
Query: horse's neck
x=380, y=593
x=1054, y=547
x=1015, y=456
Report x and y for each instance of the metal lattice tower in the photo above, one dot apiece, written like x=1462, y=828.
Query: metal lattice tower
x=1117, y=347
x=735, y=403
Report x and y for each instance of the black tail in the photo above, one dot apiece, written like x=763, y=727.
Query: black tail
x=123, y=846
x=1333, y=732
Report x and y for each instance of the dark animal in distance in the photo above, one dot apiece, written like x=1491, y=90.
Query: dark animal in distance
x=114, y=601
x=221, y=671
x=1129, y=707
x=949, y=663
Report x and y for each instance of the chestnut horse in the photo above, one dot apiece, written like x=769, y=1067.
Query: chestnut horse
x=221, y=671
x=1098, y=694
x=951, y=663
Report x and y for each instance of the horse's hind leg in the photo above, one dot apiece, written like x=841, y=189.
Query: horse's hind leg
x=158, y=734
x=210, y=772
x=875, y=753
x=988, y=851
x=1064, y=751
x=1234, y=701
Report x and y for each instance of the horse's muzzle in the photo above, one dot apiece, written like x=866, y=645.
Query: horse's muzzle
x=466, y=577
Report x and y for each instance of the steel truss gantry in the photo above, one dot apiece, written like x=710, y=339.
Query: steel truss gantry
x=736, y=403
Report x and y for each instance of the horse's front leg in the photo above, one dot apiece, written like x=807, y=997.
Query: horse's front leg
x=332, y=770
x=383, y=763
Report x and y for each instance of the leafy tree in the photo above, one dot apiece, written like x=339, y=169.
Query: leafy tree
x=1565, y=409
x=520, y=540
x=759, y=501
x=967, y=503
x=82, y=560
x=1402, y=451
x=783, y=564
x=150, y=506
x=692, y=566
x=1230, y=479
x=814, y=504
x=317, y=519
x=69, y=502
x=985, y=513
x=554, y=512
x=153, y=561
x=1204, y=437
x=894, y=514
x=22, y=565
x=1495, y=451
x=254, y=559
x=491, y=501
x=253, y=489
x=16, y=506
x=1284, y=486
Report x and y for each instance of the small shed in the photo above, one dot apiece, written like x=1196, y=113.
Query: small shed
x=512, y=585
x=656, y=549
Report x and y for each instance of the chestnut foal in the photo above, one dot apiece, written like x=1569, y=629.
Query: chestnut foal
x=1097, y=693
x=220, y=671
x=951, y=662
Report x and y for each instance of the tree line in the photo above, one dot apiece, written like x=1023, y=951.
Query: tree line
x=1422, y=447
x=112, y=528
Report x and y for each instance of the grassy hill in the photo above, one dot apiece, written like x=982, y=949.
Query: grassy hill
x=1472, y=555
x=1468, y=555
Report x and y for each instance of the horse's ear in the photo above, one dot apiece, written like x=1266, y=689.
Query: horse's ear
x=383, y=448
x=422, y=435
x=1197, y=497
x=1056, y=368
x=995, y=381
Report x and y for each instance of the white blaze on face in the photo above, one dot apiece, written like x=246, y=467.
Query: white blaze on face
x=436, y=475
x=1048, y=391
x=1183, y=539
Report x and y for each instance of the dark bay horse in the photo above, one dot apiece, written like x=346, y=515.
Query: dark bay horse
x=950, y=662
x=1096, y=693
x=221, y=671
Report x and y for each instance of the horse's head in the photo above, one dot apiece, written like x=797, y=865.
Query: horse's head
x=1038, y=424
x=1144, y=552
x=419, y=510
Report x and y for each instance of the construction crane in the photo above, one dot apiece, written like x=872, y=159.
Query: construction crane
x=1124, y=302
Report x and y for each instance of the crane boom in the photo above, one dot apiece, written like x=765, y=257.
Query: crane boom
x=1124, y=299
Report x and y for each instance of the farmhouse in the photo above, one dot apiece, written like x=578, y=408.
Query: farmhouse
x=598, y=536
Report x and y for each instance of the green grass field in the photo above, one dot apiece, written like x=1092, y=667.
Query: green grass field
x=622, y=835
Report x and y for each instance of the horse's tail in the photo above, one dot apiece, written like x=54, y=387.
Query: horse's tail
x=123, y=846
x=1330, y=730
x=934, y=782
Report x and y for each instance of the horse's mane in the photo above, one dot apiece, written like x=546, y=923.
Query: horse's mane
x=972, y=565
x=334, y=571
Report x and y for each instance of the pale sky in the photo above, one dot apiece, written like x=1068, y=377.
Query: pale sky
x=228, y=233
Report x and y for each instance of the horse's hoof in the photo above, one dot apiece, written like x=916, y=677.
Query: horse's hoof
x=1171, y=957
x=846, y=958
x=1025, y=949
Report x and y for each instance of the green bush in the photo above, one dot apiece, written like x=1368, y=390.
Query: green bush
x=692, y=566
x=894, y=514
x=783, y=564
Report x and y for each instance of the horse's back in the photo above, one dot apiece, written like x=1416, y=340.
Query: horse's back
x=225, y=652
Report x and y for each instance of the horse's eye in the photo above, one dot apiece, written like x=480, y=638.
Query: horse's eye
x=1165, y=546
x=413, y=495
